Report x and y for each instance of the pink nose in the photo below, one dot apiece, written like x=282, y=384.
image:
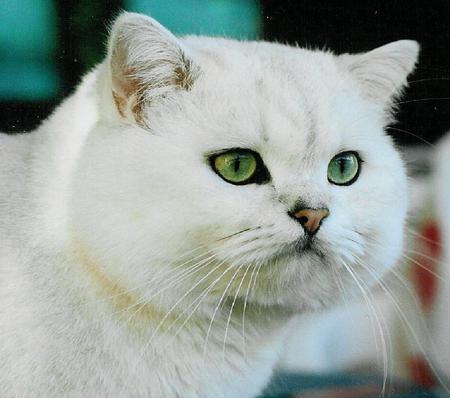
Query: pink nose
x=311, y=219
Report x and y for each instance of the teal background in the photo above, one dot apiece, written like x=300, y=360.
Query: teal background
x=38, y=62
x=231, y=18
x=27, y=46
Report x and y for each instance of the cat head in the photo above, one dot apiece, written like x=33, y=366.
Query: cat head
x=223, y=169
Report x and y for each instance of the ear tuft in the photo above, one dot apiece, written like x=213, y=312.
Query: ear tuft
x=146, y=61
x=382, y=73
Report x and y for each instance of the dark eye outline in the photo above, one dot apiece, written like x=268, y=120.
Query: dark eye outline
x=260, y=176
x=358, y=171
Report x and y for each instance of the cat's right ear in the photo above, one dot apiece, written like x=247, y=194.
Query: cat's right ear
x=145, y=62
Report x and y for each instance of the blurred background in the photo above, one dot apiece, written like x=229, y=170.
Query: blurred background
x=46, y=46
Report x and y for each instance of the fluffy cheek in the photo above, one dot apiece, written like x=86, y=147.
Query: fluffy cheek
x=138, y=208
x=377, y=214
x=384, y=225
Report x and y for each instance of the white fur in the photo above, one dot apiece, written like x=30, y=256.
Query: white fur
x=129, y=192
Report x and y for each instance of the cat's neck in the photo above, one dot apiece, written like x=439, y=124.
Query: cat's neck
x=53, y=150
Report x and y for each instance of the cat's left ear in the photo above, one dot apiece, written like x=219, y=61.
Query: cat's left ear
x=382, y=73
x=145, y=62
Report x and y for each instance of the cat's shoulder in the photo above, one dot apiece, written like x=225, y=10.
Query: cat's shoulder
x=14, y=167
x=13, y=147
x=14, y=154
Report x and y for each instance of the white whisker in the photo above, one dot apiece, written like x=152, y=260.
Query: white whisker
x=156, y=330
x=366, y=295
x=231, y=309
x=216, y=309
x=254, y=267
x=415, y=233
x=412, y=331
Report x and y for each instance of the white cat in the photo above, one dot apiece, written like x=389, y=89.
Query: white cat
x=161, y=227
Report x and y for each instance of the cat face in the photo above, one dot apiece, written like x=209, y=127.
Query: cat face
x=223, y=169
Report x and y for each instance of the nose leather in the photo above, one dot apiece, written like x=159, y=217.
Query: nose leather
x=311, y=219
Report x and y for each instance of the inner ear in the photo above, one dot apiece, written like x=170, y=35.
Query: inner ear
x=382, y=73
x=146, y=61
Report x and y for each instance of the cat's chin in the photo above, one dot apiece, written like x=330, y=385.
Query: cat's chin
x=298, y=279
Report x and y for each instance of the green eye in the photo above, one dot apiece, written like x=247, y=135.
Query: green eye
x=343, y=169
x=239, y=166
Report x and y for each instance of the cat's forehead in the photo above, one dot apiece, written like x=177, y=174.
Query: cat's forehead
x=264, y=92
x=262, y=63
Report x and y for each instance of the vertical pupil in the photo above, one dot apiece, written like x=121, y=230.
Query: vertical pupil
x=342, y=162
x=237, y=164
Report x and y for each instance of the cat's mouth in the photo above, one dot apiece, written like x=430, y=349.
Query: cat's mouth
x=308, y=245
x=299, y=248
